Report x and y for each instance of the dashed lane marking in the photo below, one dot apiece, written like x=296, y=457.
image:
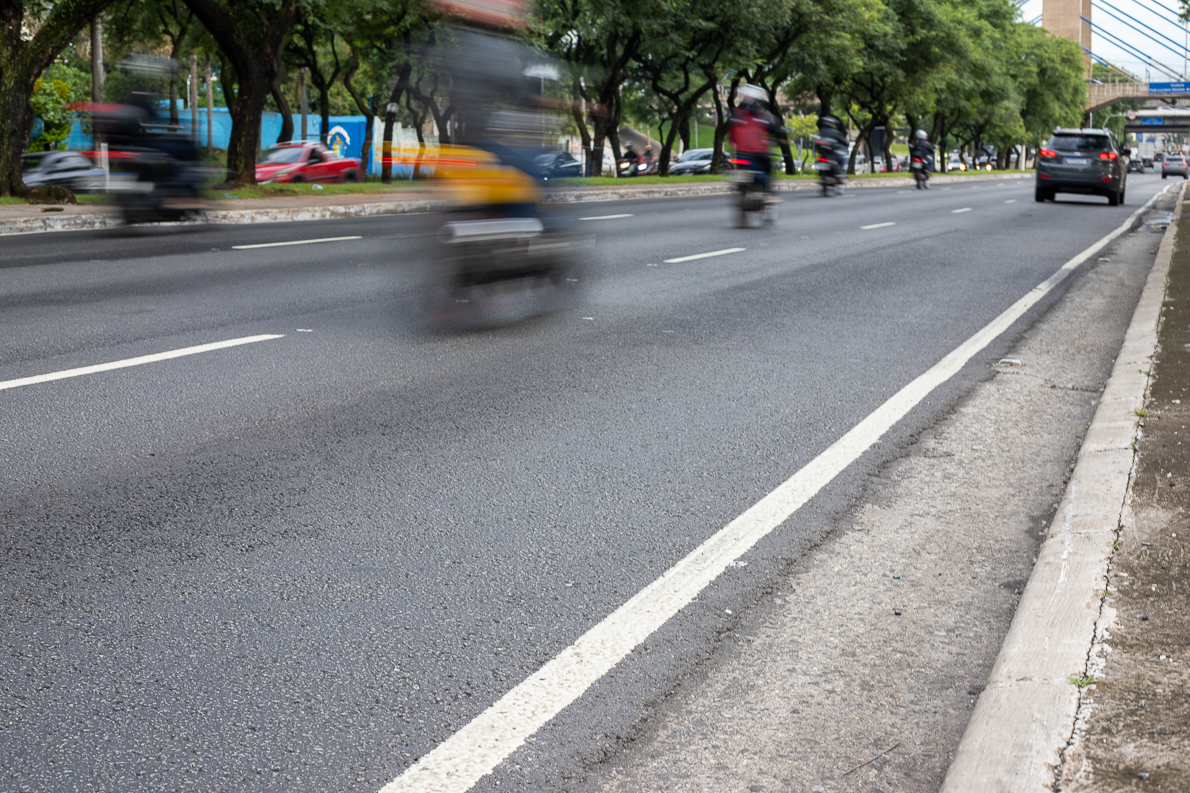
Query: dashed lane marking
x=723, y=252
x=157, y=356
x=608, y=217
x=1010, y=201
x=291, y=242
x=957, y=211
x=878, y=225
x=456, y=764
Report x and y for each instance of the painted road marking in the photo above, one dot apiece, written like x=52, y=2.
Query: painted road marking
x=957, y=211
x=607, y=217
x=158, y=356
x=1010, y=201
x=291, y=242
x=455, y=765
x=877, y=225
x=704, y=255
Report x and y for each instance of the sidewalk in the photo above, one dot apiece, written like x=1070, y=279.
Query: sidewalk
x=1133, y=730
x=28, y=219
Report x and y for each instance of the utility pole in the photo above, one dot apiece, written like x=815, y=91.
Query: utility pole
x=302, y=99
x=96, y=60
x=192, y=100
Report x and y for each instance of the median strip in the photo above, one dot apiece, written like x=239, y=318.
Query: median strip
x=292, y=242
x=704, y=255
x=157, y=356
x=878, y=225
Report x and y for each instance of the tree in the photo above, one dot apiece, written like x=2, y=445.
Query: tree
x=251, y=35
x=32, y=35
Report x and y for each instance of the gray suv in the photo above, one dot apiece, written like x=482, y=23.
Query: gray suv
x=1081, y=161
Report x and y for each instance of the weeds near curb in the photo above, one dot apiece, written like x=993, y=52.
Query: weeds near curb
x=1149, y=373
x=1142, y=412
x=1082, y=680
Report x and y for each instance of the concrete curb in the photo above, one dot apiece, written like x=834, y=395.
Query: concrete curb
x=1025, y=716
x=102, y=220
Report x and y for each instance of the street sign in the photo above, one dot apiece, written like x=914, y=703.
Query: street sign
x=1153, y=122
x=1131, y=115
x=1169, y=88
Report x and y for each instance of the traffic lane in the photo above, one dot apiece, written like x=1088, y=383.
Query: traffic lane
x=109, y=304
x=626, y=403
x=149, y=241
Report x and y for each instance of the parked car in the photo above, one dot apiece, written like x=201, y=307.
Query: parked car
x=1081, y=161
x=558, y=165
x=697, y=161
x=1173, y=165
x=69, y=169
x=305, y=162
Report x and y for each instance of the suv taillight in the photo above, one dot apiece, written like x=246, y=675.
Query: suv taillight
x=1047, y=154
x=1108, y=155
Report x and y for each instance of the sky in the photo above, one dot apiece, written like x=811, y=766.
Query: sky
x=1161, y=17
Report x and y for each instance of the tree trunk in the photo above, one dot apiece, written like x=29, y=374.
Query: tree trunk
x=364, y=108
x=284, y=109
x=252, y=86
x=21, y=63
x=390, y=120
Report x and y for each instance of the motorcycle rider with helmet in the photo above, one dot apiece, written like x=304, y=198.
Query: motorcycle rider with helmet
x=830, y=130
x=922, y=150
x=753, y=129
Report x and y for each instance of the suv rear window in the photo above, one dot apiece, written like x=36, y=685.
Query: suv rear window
x=1080, y=143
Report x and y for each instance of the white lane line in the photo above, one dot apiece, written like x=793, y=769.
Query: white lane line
x=456, y=764
x=957, y=211
x=608, y=217
x=291, y=242
x=157, y=356
x=877, y=225
x=704, y=255
x=1010, y=201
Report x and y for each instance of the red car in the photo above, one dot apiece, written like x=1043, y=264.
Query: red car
x=305, y=162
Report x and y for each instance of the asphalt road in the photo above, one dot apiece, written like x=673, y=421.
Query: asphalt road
x=303, y=562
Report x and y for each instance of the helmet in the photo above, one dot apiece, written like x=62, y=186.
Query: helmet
x=498, y=14
x=755, y=93
x=921, y=135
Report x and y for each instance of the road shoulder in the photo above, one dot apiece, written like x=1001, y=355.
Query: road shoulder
x=862, y=670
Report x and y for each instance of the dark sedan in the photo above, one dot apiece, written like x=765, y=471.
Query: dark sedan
x=697, y=161
x=558, y=165
x=66, y=168
x=1080, y=161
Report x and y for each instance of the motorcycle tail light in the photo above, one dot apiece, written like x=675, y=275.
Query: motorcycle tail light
x=823, y=159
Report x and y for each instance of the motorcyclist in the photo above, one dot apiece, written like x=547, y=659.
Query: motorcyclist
x=497, y=103
x=753, y=129
x=921, y=148
x=632, y=156
x=830, y=130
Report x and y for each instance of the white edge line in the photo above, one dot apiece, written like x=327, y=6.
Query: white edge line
x=703, y=255
x=878, y=225
x=957, y=211
x=455, y=765
x=292, y=242
x=608, y=217
x=157, y=356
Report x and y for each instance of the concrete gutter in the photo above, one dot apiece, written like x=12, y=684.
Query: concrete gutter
x=99, y=217
x=1025, y=716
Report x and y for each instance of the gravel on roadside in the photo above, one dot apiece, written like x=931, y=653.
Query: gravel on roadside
x=1133, y=730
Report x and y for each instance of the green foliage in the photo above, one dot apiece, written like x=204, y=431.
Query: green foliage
x=49, y=101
